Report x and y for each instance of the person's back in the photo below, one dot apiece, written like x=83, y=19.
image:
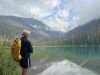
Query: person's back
x=26, y=49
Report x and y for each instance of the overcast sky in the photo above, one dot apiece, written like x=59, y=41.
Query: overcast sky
x=61, y=15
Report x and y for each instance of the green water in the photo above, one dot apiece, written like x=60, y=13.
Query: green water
x=65, y=52
x=75, y=54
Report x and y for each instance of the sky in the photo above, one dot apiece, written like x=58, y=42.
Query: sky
x=60, y=15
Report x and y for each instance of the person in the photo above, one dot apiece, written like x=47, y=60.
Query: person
x=26, y=49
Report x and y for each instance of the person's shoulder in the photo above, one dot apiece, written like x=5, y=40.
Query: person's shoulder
x=24, y=40
x=28, y=41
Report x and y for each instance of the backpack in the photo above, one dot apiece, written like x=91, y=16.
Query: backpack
x=15, y=50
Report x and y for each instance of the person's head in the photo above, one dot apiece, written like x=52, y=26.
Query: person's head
x=26, y=33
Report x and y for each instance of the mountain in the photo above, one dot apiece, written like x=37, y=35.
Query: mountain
x=37, y=25
x=87, y=34
x=11, y=26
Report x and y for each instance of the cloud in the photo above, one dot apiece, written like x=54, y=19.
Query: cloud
x=21, y=7
x=88, y=11
x=58, y=25
x=60, y=15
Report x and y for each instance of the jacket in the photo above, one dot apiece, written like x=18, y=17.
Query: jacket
x=26, y=47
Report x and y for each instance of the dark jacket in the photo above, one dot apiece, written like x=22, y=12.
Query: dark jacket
x=26, y=47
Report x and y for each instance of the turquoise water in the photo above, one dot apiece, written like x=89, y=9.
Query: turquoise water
x=89, y=57
x=68, y=51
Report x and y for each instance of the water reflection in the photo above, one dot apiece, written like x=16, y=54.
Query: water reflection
x=87, y=57
x=66, y=68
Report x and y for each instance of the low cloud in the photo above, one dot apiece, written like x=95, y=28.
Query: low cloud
x=61, y=15
x=88, y=11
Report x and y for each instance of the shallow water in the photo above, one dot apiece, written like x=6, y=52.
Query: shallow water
x=87, y=56
x=64, y=67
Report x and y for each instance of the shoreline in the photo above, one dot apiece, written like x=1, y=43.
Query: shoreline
x=71, y=46
x=58, y=46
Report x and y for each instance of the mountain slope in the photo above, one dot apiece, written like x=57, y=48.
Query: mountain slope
x=10, y=26
x=87, y=34
x=35, y=24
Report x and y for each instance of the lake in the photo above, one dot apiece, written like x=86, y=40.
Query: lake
x=84, y=59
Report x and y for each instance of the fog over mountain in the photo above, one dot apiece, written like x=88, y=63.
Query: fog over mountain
x=60, y=15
